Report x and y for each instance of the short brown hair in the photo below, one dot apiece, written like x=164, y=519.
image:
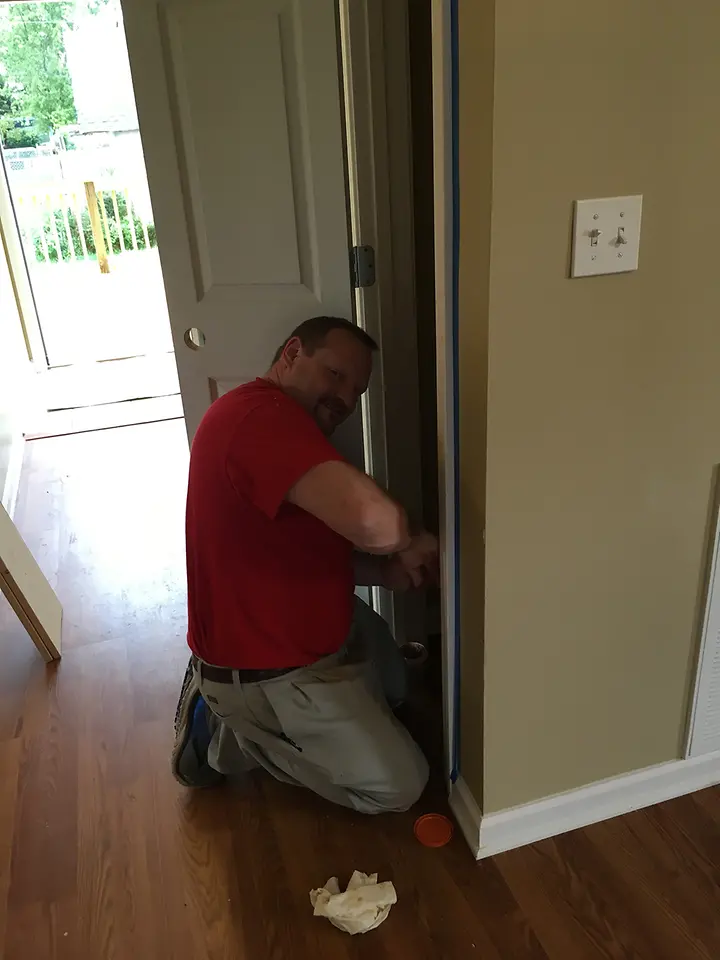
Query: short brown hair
x=311, y=334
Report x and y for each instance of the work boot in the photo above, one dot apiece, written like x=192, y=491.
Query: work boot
x=194, y=727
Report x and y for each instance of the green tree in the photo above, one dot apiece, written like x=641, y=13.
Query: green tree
x=7, y=108
x=32, y=54
x=6, y=98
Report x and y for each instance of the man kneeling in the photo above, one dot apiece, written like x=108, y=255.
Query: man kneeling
x=289, y=670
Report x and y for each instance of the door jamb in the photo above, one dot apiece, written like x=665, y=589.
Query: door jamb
x=17, y=399
x=374, y=38
x=381, y=200
x=446, y=255
x=17, y=263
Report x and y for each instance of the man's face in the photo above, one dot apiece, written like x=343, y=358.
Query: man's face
x=329, y=381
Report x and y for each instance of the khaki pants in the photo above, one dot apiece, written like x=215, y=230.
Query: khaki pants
x=327, y=727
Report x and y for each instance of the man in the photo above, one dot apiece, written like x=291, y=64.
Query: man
x=295, y=671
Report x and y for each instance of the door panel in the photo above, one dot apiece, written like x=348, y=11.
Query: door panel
x=240, y=115
x=222, y=92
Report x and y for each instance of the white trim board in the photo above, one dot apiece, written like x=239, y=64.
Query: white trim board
x=467, y=813
x=704, y=727
x=446, y=386
x=517, y=826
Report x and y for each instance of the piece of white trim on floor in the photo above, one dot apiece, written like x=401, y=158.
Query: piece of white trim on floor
x=497, y=832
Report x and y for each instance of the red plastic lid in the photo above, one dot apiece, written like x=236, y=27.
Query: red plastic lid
x=433, y=830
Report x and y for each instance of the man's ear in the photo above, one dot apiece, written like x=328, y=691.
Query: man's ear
x=292, y=350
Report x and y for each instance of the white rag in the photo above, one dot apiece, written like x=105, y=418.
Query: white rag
x=363, y=906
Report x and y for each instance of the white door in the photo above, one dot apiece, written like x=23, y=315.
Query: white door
x=240, y=114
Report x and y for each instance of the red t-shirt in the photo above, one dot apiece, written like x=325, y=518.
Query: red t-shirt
x=269, y=585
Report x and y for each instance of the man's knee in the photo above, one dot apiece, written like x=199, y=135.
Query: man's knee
x=402, y=788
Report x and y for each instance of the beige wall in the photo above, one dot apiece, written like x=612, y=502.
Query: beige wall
x=603, y=413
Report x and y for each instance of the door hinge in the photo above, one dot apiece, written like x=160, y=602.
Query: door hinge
x=362, y=266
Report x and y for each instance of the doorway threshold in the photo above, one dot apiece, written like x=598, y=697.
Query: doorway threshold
x=111, y=393
x=127, y=413
x=111, y=381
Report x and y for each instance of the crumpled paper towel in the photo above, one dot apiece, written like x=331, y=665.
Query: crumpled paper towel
x=363, y=906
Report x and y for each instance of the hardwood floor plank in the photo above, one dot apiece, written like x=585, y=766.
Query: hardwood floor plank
x=203, y=885
x=694, y=861
x=106, y=902
x=137, y=815
x=701, y=830
x=654, y=873
x=30, y=932
x=267, y=909
x=47, y=799
x=624, y=918
x=10, y=752
x=489, y=896
x=20, y=663
x=309, y=858
x=557, y=907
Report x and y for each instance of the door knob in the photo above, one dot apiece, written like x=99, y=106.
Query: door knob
x=194, y=338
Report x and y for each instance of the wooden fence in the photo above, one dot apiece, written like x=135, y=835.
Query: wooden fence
x=82, y=224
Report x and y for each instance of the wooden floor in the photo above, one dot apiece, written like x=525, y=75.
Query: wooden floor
x=103, y=856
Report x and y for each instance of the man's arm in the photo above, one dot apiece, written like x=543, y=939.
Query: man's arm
x=353, y=505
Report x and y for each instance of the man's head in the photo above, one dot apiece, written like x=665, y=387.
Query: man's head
x=325, y=364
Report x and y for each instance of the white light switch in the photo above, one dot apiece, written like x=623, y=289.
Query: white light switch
x=606, y=238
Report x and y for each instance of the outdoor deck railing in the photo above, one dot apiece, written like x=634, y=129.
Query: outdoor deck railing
x=87, y=223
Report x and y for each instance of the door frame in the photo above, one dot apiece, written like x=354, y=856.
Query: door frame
x=10, y=487
x=376, y=73
x=445, y=92
x=375, y=68
x=19, y=272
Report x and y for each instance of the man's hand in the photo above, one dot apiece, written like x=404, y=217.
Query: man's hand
x=418, y=563
x=413, y=568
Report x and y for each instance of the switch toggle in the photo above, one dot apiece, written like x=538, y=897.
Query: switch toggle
x=606, y=236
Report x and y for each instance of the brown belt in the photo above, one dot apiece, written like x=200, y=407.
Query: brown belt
x=225, y=674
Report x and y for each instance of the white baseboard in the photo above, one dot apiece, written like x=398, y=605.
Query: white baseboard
x=467, y=813
x=9, y=492
x=517, y=826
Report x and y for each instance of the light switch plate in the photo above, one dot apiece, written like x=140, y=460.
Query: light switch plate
x=606, y=237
